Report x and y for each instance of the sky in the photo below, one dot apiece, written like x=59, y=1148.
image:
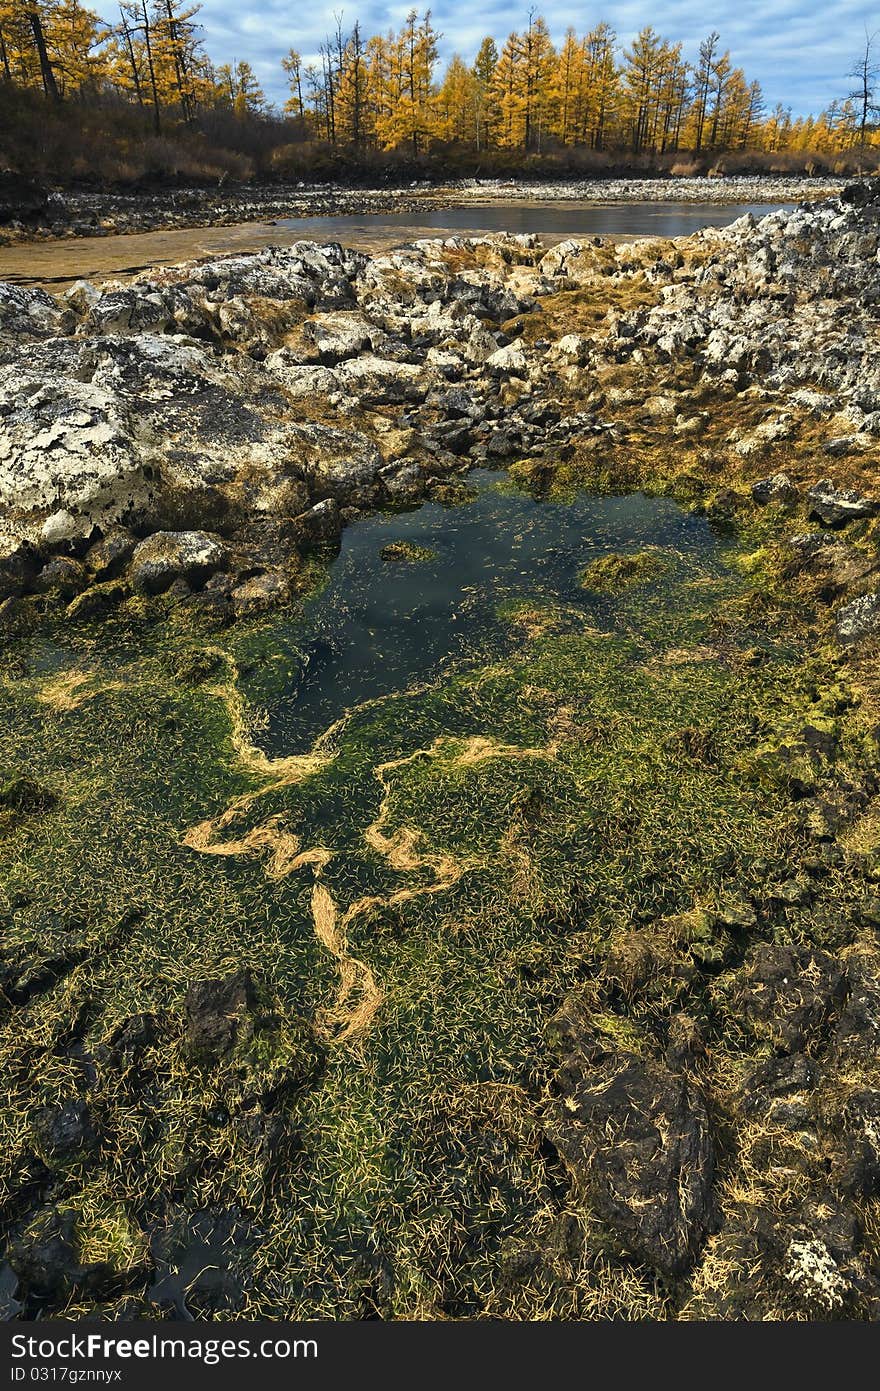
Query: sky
x=799, y=51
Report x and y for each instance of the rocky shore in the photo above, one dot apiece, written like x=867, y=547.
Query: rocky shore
x=686, y=1124
x=208, y=426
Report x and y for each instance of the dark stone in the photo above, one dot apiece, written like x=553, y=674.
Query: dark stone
x=64, y=575
x=193, y=1256
x=26, y=971
x=62, y=1131
x=97, y=601
x=108, y=557
x=134, y=1034
x=778, y=1077
x=787, y=994
x=215, y=1014
x=636, y=1138
x=861, y=192
x=18, y=569
x=46, y=1258
x=319, y=528
x=10, y=1307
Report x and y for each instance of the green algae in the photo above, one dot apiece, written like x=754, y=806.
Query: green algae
x=598, y=796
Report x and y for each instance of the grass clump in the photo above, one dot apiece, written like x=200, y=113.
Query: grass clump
x=614, y=574
x=407, y=552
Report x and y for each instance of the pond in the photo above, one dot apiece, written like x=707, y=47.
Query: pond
x=550, y=219
x=413, y=593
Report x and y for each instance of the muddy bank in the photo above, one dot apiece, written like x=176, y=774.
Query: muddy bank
x=56, y=265
x=548, y=987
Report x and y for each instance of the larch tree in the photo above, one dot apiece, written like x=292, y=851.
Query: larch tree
x=483, y=71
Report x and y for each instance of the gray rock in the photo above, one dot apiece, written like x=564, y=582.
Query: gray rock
x=318, y=528
x=261, y=592
x=109, y=556
x=63, y=574
x=779, y=489
x=167, y=556
x=837, y=506
x=859, y=619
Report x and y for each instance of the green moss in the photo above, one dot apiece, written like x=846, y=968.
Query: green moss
x=614, y=574
x=406, y=552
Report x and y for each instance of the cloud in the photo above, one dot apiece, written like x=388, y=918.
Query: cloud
x=801, y=53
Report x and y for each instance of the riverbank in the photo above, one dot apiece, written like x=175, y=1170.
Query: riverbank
x=547, y=986
x=86, y=214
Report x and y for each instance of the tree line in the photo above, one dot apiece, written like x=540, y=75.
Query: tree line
x=388, y=92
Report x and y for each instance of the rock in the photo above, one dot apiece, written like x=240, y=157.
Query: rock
x=64, y=1131
x=20, y=562
x=67, y=448
x=319, y=528
x=28, y=313
x=133, y=309
x=96, y=602
x=787, y=995
x=108, y=557
x=509, y=361
x=46, y=1258
x=193, y=1257
x=375, y=381
x=637, y=1140
x=861, y=193
x=10, y=1307
x=261, y=592
x=836, y=507
x=64, y=575
x=778, y=489
x=167, y=556
x=133, y=1036
x=218, y=1014
x=82, y=296
x=859, y=619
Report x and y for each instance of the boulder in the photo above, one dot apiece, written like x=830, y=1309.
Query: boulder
x=64, y=575
x=261, y=592
x=167, y=556
x=837, y=506
x=319, y=528
x=779, y=488
x=64, y=1131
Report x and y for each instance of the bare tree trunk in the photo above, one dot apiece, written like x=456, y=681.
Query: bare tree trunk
x=135, y=75
x=50, y=87
x=4, y=59
x=157, y=122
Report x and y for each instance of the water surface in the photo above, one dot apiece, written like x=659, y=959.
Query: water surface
x=380, y=626
x=56, y=264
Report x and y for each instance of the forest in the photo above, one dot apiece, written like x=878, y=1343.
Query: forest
x=87, y=97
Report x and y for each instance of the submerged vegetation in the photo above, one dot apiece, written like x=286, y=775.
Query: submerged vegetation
x=295, y=1013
